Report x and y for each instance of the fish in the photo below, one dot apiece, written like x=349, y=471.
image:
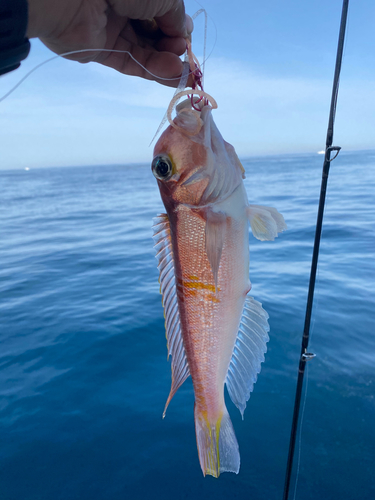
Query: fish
x=216, y=332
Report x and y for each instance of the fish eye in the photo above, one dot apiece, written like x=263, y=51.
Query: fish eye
x=162, y=167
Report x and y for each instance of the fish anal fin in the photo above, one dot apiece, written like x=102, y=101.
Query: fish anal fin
x=163, y=244
x=215, y=234
x=248, y=353
x=265, y=222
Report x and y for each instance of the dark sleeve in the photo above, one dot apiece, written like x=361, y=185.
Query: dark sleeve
x=14, y=46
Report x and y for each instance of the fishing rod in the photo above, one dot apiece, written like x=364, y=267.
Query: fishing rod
x=305, y=355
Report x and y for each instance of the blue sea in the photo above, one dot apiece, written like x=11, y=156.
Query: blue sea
x=84, y=370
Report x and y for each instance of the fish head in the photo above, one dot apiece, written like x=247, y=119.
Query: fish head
x=192, y=163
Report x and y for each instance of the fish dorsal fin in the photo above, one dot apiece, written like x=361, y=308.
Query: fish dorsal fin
x=164, y=256
x=248, y=353
x=215, y=232
x=265, y=222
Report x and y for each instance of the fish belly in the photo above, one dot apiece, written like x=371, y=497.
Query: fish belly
x=210, y=317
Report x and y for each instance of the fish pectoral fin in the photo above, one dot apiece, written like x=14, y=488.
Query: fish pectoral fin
x=248, y=353
x=164, y=255
x=215, y=234
x=265, y=222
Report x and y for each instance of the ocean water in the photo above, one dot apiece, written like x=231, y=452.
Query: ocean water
x=83, y=359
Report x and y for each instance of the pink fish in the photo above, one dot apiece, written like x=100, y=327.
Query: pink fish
x=215, y=331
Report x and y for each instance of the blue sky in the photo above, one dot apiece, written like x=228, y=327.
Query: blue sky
x=270, y=71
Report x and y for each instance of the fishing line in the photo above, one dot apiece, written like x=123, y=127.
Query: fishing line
x=82, y=51
x=206, y=16
x=299, y=447
x=185, y=72
x=314, y=316
x=317, y=297
x=300, y=432
x=205, y=37
x=305, y=355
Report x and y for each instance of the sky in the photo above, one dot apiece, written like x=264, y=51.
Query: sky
x=270, y=69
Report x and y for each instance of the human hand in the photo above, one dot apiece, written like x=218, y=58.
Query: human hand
x=153, y=31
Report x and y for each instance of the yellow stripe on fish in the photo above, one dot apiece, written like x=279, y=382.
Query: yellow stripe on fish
x=191, y=288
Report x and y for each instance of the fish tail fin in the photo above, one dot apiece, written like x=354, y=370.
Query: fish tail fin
x=217, y=444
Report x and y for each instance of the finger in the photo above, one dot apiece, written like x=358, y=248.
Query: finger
x=175, y=22
x=146, y=29
x=148, y=33
x=189, y=25
x=155, y=65
x=175, y=45
x=170, y=14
